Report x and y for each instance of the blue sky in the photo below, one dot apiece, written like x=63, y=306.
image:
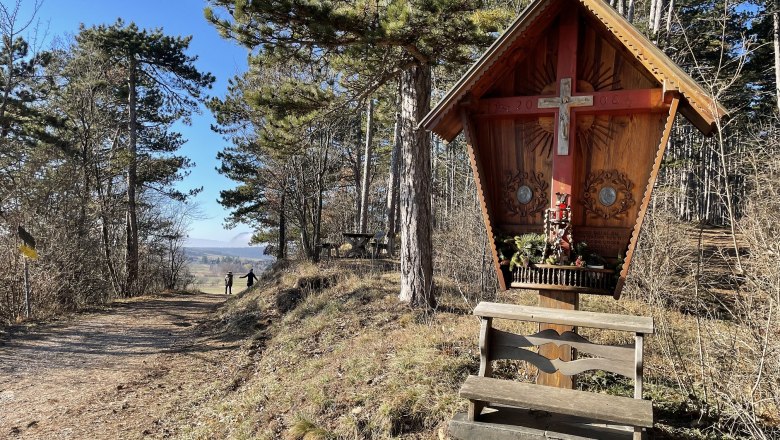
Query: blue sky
x=222, y=58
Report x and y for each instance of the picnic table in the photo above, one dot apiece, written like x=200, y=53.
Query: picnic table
x=358, y=242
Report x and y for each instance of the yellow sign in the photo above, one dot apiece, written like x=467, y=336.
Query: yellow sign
x=28, y=252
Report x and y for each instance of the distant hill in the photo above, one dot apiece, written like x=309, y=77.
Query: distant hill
x=240, y=240
x=254, y=252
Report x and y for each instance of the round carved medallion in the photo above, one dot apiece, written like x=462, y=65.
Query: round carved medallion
x=608, y=196
x=524, y=194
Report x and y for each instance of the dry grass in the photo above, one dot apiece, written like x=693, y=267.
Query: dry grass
x=351, y=362
x=348, y=362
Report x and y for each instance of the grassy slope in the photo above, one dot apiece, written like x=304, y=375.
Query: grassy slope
x=351, y=362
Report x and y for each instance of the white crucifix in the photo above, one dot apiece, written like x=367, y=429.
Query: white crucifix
x=563, y=103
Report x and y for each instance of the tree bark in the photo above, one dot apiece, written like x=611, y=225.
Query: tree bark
x=104, y=196
x=416, y=245
x=321, y=172
x=357, y=172
x=282, y=229
x=27, y=307
x=651, y=16
x=132, y=181
x=435, y=214
x=657, y=12
x=393, y=181
x=107, y=253
x=630, y=13
x=363, y=225
x=776, y=41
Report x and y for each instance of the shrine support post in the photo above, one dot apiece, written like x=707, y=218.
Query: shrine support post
x=562, y=300
x=563, y=165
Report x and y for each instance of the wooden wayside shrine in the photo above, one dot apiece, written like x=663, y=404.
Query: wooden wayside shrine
x=567, y=117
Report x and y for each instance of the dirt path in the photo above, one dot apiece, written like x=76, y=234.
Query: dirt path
x=119, y=373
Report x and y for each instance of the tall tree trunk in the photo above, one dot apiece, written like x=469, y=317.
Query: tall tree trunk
x=282, y=229
x=306, y=244
x=416, y=246
x=321, y=171
x=27, y=307
x=435, y=214
x=357, y=172
x=104, y=199
x=651, y=16
x=776, y=41
x=132, y=181
x=366, y=167
x=115, y=284
x=393, y=188
x=630, y=12
x=657, y=11
x=85, y=193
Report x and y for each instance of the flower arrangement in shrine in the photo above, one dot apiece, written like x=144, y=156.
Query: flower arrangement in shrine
x=533, y=248
x=554, y=247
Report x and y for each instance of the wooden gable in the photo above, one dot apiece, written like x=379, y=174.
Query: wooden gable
x=521, y=37
x=565, y=102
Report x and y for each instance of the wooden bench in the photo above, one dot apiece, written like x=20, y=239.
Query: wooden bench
x=503, y=409
x=329, y=247
x=378, y=243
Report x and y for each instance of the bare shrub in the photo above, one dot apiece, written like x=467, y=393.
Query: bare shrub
x=717, y=344
x=462, y=255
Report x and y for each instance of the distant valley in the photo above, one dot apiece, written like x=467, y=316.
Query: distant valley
x=253, y=253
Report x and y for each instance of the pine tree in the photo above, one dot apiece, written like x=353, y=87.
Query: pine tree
x=162, y=86
x=373, y=44
x=281, y=152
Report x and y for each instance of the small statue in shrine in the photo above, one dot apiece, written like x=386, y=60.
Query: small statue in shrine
x=559, y=231
x=562, y=201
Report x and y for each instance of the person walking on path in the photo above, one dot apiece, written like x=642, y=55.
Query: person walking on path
x=229, y=283
x=250, y=278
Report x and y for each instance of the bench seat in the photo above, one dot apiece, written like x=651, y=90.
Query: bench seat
x=507, y=423
x=610, y=321
x=536, y=406
x=616, y=409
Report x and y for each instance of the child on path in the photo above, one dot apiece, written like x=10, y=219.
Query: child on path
x=229, y=283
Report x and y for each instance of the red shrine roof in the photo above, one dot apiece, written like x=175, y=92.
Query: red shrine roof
x=696, y=104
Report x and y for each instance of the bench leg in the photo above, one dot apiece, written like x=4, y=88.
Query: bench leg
x=639, y=434
x=475, y=409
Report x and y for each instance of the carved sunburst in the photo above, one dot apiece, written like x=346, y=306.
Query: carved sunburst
x=593, y=131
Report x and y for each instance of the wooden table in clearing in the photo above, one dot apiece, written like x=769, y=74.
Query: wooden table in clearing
x=358, y=242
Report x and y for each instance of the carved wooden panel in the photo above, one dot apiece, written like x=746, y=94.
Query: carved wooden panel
x=511, y=163
x=608, y=194
x=526, y=193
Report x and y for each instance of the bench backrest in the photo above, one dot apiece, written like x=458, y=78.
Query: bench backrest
x=625, y=360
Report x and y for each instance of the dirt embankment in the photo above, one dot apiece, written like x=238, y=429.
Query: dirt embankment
x=121, y=373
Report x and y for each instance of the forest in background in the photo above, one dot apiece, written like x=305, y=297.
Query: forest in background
x=323, y=139
x=88, y=160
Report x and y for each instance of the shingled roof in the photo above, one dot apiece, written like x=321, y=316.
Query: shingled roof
x=696, y=103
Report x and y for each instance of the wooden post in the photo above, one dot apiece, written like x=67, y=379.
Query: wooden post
x=26, y=288
x=638, y=379
x=562, y=300
x=485, y=368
